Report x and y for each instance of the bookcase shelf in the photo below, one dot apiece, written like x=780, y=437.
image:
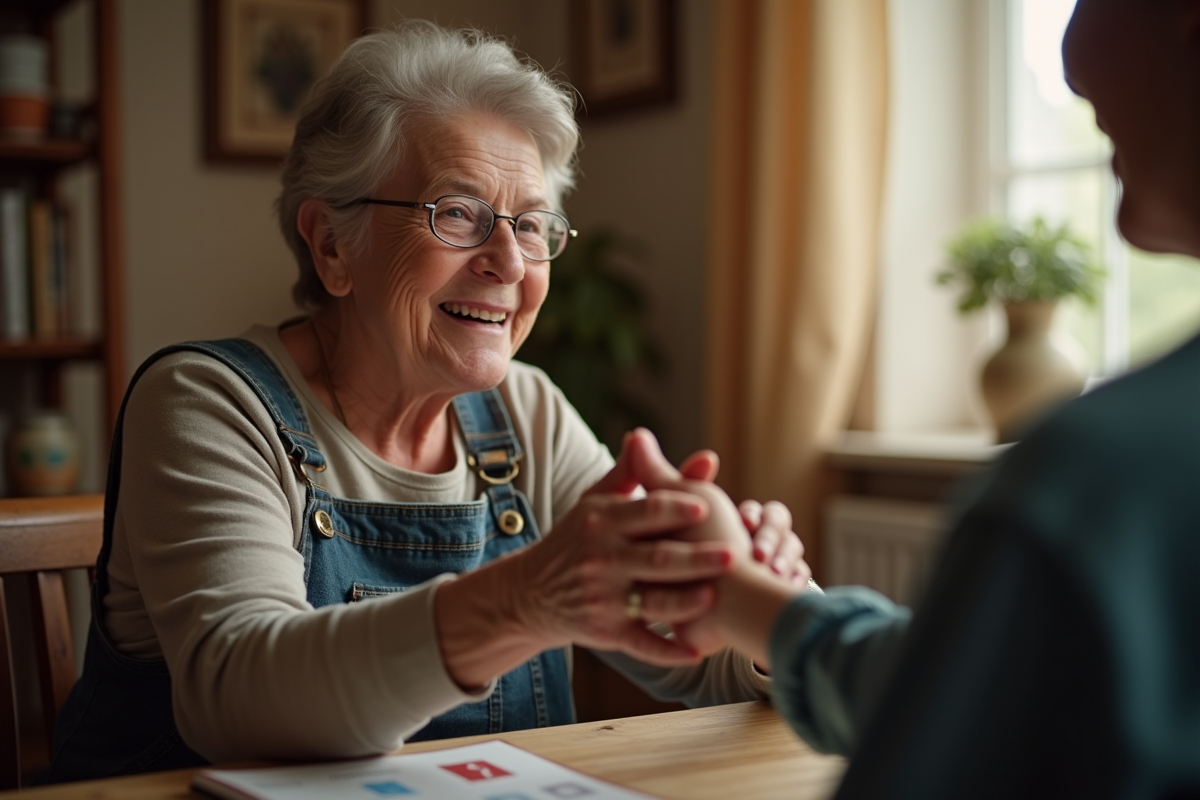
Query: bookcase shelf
x=33, y=368
x=65, y=348
x=49, y=153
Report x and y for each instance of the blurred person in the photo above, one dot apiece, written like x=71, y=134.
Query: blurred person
x=1056, y=652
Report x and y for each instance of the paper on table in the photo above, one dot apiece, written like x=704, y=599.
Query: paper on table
x=489, y=771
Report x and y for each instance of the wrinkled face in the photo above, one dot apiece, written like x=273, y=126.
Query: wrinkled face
x=452, y=317
x=1135, y=60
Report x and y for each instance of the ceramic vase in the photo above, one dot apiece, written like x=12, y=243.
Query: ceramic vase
x=43, y=456
x=24, y=86
x=1031, y=372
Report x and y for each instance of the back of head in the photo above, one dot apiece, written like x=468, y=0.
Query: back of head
x=353, y=128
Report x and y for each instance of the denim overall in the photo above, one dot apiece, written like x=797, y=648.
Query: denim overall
x=118, y=717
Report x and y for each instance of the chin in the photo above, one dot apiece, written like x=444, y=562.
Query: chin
x=482, y=371
x=1153, y=232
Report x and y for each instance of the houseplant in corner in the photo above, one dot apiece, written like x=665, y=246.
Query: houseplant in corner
x=1027, y=269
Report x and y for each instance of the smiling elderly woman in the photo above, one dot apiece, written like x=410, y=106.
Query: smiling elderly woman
x=386, y=447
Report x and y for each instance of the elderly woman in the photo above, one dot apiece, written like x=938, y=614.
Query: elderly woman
x=386, y=448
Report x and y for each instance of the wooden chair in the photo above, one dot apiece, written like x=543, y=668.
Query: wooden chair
x=41, y=538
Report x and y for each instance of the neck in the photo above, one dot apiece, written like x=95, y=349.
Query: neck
x=410, y=431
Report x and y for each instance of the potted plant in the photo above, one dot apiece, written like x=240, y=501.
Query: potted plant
x=590, y=335
x=1027, y=269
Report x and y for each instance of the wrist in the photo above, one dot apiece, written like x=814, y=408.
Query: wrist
x=480, y=624
x=749, y=600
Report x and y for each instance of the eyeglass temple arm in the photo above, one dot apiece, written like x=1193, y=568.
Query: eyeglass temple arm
x=363, y=201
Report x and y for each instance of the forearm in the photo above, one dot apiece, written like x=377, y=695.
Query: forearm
x=341, y=681
x=749, y=601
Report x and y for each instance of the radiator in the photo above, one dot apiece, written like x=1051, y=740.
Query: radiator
x=887, y=545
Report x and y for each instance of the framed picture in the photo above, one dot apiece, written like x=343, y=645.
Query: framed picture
x=623, y=53
x=261, y=58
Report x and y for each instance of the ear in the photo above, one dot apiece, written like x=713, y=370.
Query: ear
x=328, y=255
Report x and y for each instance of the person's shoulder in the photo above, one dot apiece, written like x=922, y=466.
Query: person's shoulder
x=186, y=373
x=1128, y=447
x=1151, y=408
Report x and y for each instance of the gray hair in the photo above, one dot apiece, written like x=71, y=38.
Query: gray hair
x=352, y=129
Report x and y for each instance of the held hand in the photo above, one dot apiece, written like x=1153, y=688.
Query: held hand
x=770, y=526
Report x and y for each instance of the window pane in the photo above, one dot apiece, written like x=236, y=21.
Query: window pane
x=1076, y=198
x=1047, y=123
x=1164, y=303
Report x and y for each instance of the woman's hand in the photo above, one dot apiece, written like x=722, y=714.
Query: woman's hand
x=605, y=548
x=575, y=585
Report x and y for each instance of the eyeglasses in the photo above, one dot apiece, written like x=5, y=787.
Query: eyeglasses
x=464, y=221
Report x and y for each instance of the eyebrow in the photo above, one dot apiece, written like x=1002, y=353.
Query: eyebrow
x=459, y=186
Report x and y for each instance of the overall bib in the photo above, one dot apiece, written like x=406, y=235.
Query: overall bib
x=118, y=718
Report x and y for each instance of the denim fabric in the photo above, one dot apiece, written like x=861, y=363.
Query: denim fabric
x=118, y=718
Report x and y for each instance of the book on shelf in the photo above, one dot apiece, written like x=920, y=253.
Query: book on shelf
x=14, y=263
x=34, y=267
x=41, y=282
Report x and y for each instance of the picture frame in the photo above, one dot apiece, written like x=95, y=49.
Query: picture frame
x=261, y=58
x=623, y=54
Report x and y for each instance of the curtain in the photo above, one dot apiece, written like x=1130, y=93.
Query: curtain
x=798, y=167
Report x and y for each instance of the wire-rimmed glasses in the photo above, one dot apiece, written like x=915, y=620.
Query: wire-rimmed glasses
x=464, y=221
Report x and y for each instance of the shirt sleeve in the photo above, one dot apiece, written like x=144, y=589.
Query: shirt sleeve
x=205, y=516
x=831, y=654
x=724, y=677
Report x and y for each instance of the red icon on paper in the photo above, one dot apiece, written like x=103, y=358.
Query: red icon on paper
x=476, y=770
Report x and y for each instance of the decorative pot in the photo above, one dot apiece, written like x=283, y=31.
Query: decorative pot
x=1032, y=371
x=43, y=456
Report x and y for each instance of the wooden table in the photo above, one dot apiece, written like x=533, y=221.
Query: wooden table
x=738, y=750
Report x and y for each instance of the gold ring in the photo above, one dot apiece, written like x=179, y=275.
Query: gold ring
x=633, y=604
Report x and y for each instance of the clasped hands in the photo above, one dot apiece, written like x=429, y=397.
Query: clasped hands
x=648, y=544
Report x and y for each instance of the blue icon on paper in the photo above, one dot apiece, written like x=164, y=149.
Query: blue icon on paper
x=388, y=788
x=567, y=790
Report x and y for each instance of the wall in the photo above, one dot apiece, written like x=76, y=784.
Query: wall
x=203, y=255
x=927, y=357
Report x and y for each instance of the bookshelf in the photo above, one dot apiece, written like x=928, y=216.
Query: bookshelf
x=32, y=368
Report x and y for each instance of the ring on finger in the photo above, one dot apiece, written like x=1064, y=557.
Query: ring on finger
x=633, y=604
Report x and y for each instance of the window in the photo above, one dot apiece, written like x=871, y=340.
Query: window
x=1049, y=159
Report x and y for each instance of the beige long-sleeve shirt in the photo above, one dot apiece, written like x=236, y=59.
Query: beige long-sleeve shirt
x=204, y=570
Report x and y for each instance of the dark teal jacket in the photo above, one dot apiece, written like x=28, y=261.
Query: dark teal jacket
x=1056, y=652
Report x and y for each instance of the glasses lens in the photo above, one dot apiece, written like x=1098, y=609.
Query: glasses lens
x=542, y=235
x=462, y=221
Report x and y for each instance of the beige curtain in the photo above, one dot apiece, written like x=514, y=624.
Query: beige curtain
x=798, y=164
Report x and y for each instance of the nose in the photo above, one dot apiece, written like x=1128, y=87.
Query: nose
x=499, y=258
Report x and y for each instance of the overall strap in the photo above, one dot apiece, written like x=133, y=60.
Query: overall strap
x=494, y=452
x=260, y=373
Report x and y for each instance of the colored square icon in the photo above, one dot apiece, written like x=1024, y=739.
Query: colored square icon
x=388, y=789
x=476, y=770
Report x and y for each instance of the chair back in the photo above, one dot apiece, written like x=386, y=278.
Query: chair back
x=41, y=538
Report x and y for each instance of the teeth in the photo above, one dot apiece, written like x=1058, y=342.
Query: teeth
x=475, y=313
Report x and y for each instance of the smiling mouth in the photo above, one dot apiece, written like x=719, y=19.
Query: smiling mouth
x=471, y=312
